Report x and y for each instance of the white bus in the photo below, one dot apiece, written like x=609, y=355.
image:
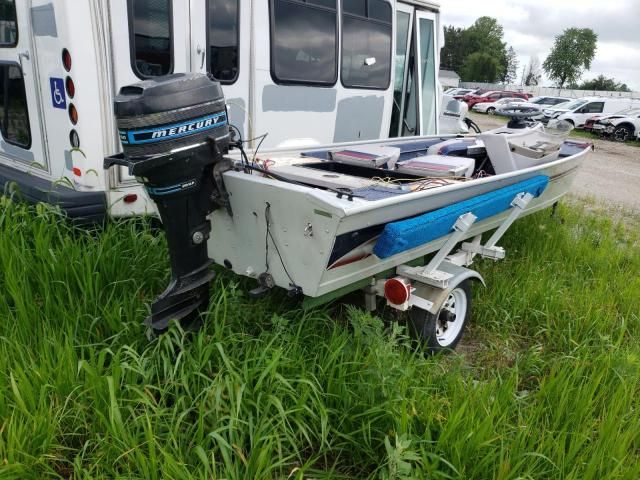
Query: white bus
x=301, y=71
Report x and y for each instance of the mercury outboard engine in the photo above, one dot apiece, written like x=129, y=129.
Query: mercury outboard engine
x=174, y=133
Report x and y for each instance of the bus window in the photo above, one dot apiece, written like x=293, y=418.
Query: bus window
x=8, y=24
x=224, y=39
x=151, y=37
x=366, y=44
x=14, y=116
x=304, y=41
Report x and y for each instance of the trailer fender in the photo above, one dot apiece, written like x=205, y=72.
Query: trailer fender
x=433, y=297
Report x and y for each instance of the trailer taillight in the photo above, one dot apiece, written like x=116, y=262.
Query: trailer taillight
x=73, y=114
x=71, y=87
x=66, y=60
x=397, y=290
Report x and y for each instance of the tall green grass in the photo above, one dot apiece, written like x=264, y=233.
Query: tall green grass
x=546, y=384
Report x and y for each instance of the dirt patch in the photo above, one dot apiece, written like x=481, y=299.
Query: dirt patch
x=610, y=175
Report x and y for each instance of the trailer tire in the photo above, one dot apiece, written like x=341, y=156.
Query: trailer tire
x=442, y=332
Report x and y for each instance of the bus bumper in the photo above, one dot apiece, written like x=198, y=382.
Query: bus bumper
x=81, y=207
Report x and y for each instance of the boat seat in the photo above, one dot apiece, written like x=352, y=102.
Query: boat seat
x=408, y=149
x=512, y=150
x=536, y=150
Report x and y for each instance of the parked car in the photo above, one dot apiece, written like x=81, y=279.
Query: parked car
x=591, y=121
x=454, y=92
x=597, y=123
x=544, y=102
x=491, y=107
x=478, y=91
x=578, y=111
x=622, y=128
x=492, y=96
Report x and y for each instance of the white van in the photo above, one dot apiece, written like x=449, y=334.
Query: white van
x=577, y=112
x=299, y=71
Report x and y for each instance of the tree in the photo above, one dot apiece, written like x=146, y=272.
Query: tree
x=511, y=73
x=531, y=75
x=604, y=84
x=453, y=53
x=572, y=53
x=480, y=67
x=486, y=36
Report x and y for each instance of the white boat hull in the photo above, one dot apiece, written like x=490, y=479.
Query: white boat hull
x=305, y=222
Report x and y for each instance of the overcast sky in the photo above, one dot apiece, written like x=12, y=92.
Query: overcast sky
x=531, y=25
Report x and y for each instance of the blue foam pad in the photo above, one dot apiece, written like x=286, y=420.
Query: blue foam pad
x=404, y=235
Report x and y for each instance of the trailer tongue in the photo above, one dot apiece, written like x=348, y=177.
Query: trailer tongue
x=174, y=133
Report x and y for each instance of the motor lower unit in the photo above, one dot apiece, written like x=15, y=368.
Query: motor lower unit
x=174, y=133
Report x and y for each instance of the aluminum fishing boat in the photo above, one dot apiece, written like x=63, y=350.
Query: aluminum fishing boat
x=379, y=216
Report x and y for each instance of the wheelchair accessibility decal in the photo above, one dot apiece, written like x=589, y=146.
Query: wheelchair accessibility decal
x=58, y=96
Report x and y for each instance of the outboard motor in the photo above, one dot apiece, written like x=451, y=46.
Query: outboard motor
x=174, y=133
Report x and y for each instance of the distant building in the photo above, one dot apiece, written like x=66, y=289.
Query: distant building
x=449, y=78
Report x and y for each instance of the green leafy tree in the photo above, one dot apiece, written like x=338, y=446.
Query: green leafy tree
x=572, y=54
x=480, y=67
x=486, y=36
x=604, y=84
x=453, y=53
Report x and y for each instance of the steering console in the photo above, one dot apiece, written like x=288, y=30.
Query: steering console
x=520, y=116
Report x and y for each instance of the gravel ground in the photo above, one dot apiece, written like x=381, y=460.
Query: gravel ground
x=610, y=175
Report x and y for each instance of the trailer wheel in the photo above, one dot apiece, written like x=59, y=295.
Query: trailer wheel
x=443, y=331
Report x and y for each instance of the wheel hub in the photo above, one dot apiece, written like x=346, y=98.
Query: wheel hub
x=451, y=317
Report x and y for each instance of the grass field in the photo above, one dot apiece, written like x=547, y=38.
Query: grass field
x=546, y=384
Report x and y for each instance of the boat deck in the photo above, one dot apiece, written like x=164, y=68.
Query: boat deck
x=423, y=164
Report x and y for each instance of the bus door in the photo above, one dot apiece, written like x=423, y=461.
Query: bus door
x=150, y=38
x=220, y=46
x=415, y=96
x=21, y=131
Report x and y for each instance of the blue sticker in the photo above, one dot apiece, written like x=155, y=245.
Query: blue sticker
x=58, y=97
x=171, y=132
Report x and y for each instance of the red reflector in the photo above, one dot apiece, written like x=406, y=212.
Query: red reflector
x=130, y=198
x=77, y=172
x=397, y=290
x=66, y=59
x=73, y=114
x=71, y=87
